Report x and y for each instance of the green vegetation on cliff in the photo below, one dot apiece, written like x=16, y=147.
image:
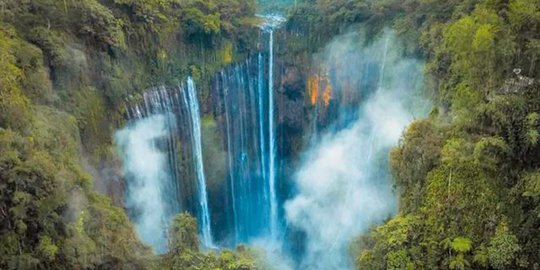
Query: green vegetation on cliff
x=184, y=250
x=66, y=70
x=468, y=175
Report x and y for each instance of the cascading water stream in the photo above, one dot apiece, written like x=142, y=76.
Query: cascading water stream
x=244, y=102
x=262, y=141
x=151, y=187
x=272, y=22
x=151, y=148
x=241, y=102
x=230, y=159
x=272, y=139
x=191, y=102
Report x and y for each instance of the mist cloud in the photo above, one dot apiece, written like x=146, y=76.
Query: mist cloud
x=144, y=165
x=344, y=185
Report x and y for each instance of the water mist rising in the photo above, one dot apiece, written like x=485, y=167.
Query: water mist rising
x=163, y=176
x=145, y=165
x=344, y=185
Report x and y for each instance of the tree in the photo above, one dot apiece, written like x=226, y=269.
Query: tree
x=503, y=248
x=183, y=234
x=14, y=106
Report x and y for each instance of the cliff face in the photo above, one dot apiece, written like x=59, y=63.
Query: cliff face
x=68, y=68
x=92, y=58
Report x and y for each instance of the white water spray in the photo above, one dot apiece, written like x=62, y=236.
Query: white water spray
x=344, y=185
x=149, y=147
x=145, y=165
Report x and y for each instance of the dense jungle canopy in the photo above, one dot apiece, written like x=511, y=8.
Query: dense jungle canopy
x=467, y=176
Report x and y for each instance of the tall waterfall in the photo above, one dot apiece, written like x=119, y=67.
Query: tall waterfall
x=191, y=102
x=262, y=129
x=271, y=129
x=152, y=155
x=239, y=93
x=244, y=104
x=272, y=22
x=362, y=95
x=243, y=99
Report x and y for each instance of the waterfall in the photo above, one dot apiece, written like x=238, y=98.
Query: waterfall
x=262, y=142
x=191, y=102
x=150, y=167
x=151, y=147
x=383, y=65
x=243, y=99
x=272, y=22
x=230, y=159
x=271, y=130
x=239, y=97
x=244, y=102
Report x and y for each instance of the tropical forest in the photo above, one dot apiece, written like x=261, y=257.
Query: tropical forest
x=270, y=134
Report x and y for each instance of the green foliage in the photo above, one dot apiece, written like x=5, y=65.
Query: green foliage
x=388, y=246
x=31, y=204
x=14, y=106
x=475, y=51
x=201, y=17
x=502, y=248
x=184, y=250
x=66, y=71
x=469, y=172
x=149, y=12
x=99, y=24
x=417, y=154
x=183, y=234
x=52, y=218
x=398, y=260
x=464, y=98
x=35, y=80
x=320, y=20
x=532, y=125
x=51, y=42
x=461, y=244
x=532, y=185
x=459, y=262
x=47, y=248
